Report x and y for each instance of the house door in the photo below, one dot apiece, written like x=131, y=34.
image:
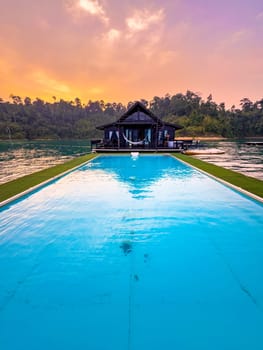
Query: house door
x=138, y=137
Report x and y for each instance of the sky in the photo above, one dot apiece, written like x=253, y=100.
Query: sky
x=120, y=50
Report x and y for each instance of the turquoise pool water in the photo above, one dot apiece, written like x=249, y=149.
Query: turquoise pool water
x=125, y=253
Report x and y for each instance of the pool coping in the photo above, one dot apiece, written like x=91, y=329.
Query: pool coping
x=44, y=183
x=224, y=182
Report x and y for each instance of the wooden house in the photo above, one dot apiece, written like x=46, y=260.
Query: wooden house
x=138, y=128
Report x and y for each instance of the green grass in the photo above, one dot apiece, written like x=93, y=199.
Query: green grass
x=247, y=183
x=12, y=188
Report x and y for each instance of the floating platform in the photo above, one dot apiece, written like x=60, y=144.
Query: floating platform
x=193, y=152
x=140, y=150
x=255, y=143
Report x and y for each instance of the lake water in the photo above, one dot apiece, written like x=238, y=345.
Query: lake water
x=21, y=158
x=18, y=158
x=131, y=254
x=238, y=156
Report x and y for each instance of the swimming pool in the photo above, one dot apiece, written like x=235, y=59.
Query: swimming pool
x=124, y=253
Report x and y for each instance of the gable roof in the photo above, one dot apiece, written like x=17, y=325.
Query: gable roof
x=138, y=107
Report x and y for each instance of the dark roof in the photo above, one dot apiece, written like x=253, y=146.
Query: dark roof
x=138, y=106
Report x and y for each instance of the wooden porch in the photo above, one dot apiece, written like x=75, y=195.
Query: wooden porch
x=139, y=150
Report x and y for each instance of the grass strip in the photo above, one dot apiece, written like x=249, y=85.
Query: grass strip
x=14, y=187
x=247, y=183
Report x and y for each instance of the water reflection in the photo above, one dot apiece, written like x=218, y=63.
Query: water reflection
x=139, y=175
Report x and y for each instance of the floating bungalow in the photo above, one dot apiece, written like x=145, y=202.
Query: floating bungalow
x=138, y=129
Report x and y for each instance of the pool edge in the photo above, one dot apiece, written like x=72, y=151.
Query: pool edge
x=224, y=182
x=44, y=183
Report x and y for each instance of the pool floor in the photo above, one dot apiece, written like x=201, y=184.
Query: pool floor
x=123, y=253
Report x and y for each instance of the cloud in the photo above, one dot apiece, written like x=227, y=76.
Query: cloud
x=43, y=24
x=167, y=57
x=233, y=41
x=92, y=7
x=142, y=20
x=5, y=67
x=49, y=84
x=112, y=35
x=152, y=45
x=259, y=16
x=96, y=90
x=238, y=36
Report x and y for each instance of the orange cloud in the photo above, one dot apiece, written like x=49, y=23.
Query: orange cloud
x=50, y=84
x=107, y=49
x=96, y=91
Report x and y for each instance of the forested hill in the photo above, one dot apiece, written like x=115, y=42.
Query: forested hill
x=32, y=119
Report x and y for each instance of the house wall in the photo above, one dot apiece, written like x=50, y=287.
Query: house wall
x=113, y=136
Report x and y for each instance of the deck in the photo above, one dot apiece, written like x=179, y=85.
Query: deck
x=140, y=150
x=255, y=143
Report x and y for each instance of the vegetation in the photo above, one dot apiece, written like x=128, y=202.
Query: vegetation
x=12, y=188
x=247, y=183
x=37, y=119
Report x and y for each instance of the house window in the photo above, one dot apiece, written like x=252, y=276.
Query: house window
x=138, y=116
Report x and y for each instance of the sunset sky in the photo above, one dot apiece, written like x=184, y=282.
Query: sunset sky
x=123, y=50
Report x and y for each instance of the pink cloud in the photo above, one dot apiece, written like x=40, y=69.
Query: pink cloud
x=91, y=7
x=143, y=19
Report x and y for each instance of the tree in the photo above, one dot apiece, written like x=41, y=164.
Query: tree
x=246, y=105
x=72, y=119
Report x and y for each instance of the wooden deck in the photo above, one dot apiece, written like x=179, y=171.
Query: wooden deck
x=255, y=143
x=140, y=150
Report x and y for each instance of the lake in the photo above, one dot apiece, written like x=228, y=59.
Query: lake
x=238, y=156
x=18, y=158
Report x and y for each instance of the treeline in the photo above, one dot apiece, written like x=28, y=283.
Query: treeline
x=35, y=119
